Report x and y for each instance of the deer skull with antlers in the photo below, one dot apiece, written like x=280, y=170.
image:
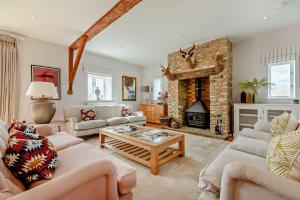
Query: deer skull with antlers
x=188, y=57
x=167, y=72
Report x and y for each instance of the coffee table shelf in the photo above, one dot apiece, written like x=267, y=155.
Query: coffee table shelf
x=150, y=154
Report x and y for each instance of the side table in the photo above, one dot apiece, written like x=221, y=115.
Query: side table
x=56, y=125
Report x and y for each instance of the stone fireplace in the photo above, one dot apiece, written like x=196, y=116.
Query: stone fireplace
x=216, y=86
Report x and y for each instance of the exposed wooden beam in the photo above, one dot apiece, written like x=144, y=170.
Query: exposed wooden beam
x=122, y=7
x=73, y=69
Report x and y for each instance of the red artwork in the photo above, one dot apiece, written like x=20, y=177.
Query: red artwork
x=46, y=74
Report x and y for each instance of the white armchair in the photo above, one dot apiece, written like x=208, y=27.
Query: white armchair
x=246, y=182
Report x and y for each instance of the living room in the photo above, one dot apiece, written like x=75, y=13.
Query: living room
x=140, y=99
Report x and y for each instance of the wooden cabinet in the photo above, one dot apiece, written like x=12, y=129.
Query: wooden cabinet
x=153, y=112
x=246, y=115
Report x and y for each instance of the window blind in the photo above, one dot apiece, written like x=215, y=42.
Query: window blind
x=281, y=55
x=97, y=70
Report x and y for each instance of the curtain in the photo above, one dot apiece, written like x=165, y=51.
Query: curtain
x=8, y=77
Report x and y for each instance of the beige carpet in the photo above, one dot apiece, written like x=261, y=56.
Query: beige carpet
x=178, y=179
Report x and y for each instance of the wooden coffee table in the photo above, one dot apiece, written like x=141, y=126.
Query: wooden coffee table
x=148, y=146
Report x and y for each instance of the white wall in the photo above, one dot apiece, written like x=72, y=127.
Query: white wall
x=32, y=51
x=247, y=58
x=151, y=73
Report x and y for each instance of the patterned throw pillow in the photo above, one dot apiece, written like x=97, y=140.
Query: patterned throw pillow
x=126, y=111
x=279, y=124
x=19, y=126
x=87, y=115
x=282, y=152
x=30, y=159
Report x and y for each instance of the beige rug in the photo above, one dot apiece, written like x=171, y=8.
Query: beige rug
x=178, y=179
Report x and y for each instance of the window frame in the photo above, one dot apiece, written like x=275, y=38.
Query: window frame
x=95, y=74
x=161, y=87
x=292, y=64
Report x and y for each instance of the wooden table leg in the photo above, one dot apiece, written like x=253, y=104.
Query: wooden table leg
x=101, y=140
x=154, y=161
x=181, y=146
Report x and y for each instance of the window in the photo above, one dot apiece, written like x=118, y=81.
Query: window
x=99, y=88
x=282, y=77
x=157, y=86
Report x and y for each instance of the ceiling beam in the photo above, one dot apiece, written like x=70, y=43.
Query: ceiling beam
x=122, y=7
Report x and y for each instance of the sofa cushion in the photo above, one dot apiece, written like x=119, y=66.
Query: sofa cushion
x=82, y=154
x=116, y=121
x=105, y=112
x=4, y=125
x=259, y=135
x=282, y=151
x=84, y=125
x=62, y=140
x=210, y=176
x=279, y=124
x=292, y=125
x=136, y=118
x=250, y=145
x=262, y=126
x=15, y=185
x=294, y=169
x=44, y=130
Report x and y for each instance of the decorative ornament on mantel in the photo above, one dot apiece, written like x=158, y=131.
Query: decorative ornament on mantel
x=220, y=60
x=188, y=57
x=167, y=72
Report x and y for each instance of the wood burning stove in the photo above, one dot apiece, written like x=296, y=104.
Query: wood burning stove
x=198, y=114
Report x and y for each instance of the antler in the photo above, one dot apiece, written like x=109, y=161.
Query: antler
x=163, y=69
x=182, y=52
x=192, y=49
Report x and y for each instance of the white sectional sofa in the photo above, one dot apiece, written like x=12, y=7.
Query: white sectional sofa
x=106, y=116
x=240, y=171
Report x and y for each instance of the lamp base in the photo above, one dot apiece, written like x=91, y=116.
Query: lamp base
x=42, y=110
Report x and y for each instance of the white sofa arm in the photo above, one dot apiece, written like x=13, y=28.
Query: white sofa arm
x=138, y=113
x=262, y=126
x=268, y=183
x=70, y=124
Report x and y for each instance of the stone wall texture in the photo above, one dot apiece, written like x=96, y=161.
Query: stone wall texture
x=220, y=85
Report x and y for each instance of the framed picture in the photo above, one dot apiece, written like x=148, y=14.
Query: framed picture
x=128, y=88
x=47, y=74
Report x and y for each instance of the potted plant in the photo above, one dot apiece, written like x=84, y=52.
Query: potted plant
x=251, y=89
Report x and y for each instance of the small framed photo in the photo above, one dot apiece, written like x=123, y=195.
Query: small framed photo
x=47, y=74
x=128, y=88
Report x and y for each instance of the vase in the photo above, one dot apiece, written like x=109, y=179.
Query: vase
x=175, y=124
x=249, y=98
x=243, y=97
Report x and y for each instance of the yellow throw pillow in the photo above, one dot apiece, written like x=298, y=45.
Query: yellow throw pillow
x=279, y=124
x=283, y=150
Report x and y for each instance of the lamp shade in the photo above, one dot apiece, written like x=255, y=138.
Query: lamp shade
x=40, y=89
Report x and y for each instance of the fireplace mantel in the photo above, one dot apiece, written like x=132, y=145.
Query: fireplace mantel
x=198, y=73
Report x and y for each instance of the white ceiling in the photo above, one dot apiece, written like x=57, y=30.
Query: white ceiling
x=146, y=34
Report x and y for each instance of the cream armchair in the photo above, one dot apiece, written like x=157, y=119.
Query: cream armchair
x=241, y=181
x=87, y=182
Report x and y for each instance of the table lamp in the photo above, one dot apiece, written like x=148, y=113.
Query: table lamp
x=42, y=109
